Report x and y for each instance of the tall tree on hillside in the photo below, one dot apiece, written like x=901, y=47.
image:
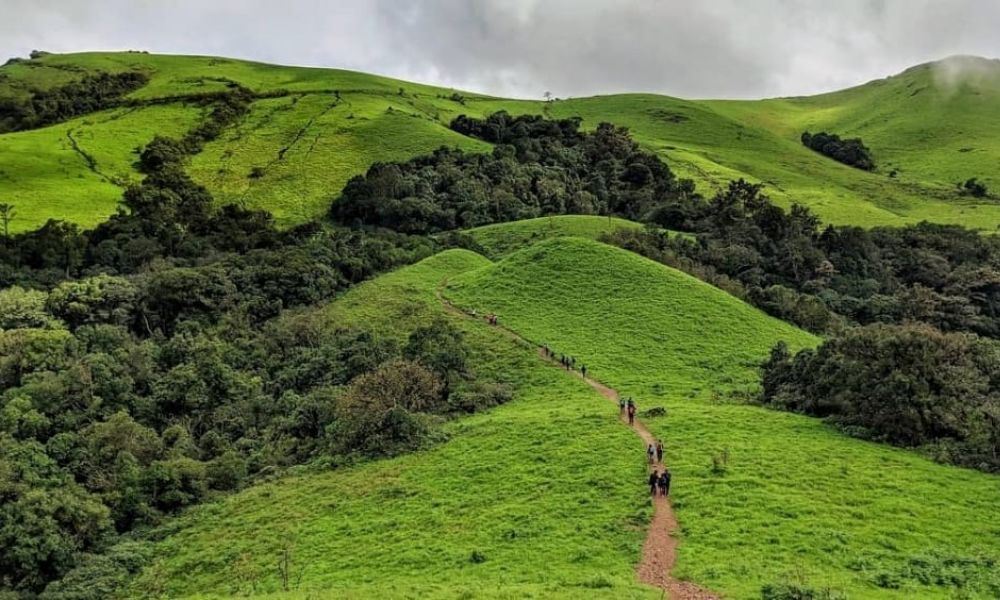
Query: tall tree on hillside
x=7, y=214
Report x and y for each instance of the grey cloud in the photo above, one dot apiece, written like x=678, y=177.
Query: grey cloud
x=710, y=48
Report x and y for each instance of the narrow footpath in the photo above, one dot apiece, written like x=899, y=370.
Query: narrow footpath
x=659, y=552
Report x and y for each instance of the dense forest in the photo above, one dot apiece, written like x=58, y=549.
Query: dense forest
x=538, y=167
x=851, y=151
x=158, y=359
x=89, y=94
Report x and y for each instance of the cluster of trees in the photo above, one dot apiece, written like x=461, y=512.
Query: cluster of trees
x=90, y=94
x=850, y=151
x=538, y=167
x=909, y=385
x=103, y=430
x=824, y=278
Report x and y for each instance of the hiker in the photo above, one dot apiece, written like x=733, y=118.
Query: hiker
x=631, y=413
x=650, y=452
x=621, y=406
x=583, y=371
x=659, y=451
x=664, y=483
x=572, y=363
x=654, y=480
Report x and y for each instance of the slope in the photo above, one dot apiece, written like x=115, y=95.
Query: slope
x=500, y=239
x=513, y=503
x=312, y=129
x=763, y=497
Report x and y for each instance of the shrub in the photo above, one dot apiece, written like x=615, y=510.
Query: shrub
x=851, y=152
x=790, y=591
x=974, y=187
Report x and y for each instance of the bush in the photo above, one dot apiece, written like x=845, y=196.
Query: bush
x=974, y=187
x=789, y=591
x=910, y=385
x=851, y=152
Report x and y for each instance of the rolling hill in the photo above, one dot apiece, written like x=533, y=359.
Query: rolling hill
x=549, y=490
x=310, y=130
x=514, y=504
x=766, y=496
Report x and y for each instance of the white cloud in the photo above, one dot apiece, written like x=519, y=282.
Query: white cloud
x=711, y=48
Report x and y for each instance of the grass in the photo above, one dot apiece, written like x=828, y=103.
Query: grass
x=791, y=499
x=541, y=497
x=501, y=239
x=46, y=177
x=931, y=134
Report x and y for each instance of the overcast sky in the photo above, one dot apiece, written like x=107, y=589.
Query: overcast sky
x=693, y=48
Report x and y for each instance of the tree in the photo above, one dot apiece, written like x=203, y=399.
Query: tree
x=439, y=347
x=7, y=214
x=379, y=412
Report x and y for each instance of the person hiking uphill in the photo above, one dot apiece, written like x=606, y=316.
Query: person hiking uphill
x=659, y=451
x=583, y=371
x=654, y=480
x=631, y=412
x=650, y=453
x=621, y=406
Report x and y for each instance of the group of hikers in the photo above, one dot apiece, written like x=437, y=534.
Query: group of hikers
x=627, y=407
x=568, y=362
x=659, y=480
x=492, y=319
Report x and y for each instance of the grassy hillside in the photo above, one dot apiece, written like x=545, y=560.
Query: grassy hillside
x=547, y=489
x=503, y=238
x=307, y=143
x=792, y=499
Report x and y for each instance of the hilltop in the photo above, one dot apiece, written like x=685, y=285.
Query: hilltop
x=309, y=130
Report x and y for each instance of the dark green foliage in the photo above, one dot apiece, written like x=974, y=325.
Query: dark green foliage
x=821, y=279
x=90, y=94
x=100, y=576
x=793, y=591
x=975, y=188
x=45, y=517
x=851, y=152
x=909, y=385
x=440, y=348
x=538, y=167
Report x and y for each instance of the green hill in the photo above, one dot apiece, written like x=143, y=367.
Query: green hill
x=762, y=496
x=519, y=486
x=312, y=129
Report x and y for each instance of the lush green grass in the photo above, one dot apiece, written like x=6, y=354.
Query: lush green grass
x=549, y=488
x=501, y=239
x=45, y=177
x=309, y=146
x=798, y=501
x=933, y=136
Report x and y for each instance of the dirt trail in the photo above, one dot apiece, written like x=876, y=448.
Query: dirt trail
x=659, y=552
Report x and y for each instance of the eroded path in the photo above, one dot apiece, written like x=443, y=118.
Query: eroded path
x=659, y=552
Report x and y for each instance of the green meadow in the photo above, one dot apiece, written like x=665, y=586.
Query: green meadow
x=542, y=497
x=927, y=134
x=762, y=496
